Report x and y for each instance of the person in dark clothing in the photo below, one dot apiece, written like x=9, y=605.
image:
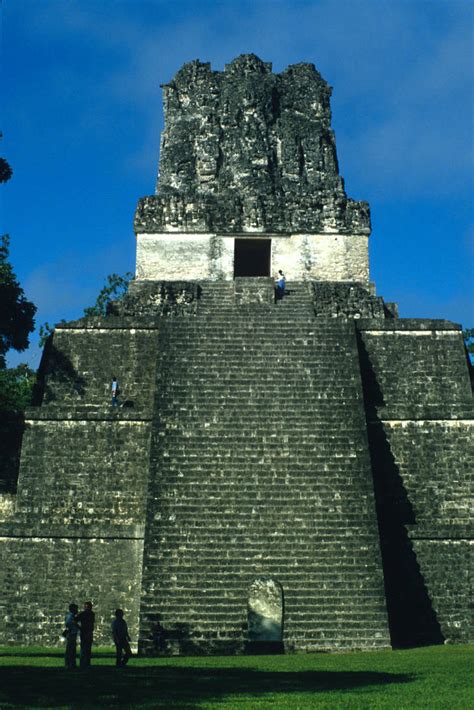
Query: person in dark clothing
x=72, y=629
x=159, y=637
x=121, y=639
x=86, y=620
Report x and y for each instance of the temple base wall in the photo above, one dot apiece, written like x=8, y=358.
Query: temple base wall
x=201, y=440
x=42, y=575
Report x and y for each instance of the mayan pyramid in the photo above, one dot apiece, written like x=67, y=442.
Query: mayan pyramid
x=282, y=474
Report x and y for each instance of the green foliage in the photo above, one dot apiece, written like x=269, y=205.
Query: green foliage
x=115, y=288
x=44, y=332
x=16, y=323
x=468, y=335
x=433, y=678
x=5, y=170
x=17, y=313
x=16, y=387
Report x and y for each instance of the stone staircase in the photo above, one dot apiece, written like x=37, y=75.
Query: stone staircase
x=215, y=296
x=298, y=300
x=219, y=296
x=260, y=468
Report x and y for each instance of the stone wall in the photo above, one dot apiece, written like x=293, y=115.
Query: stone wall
x=41, y=575
x=419, y=366
x=74, y=530
x=84, y=356
x=198, y=257
x=420, y=414
x=84, y=471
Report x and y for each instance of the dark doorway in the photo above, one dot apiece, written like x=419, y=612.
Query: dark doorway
x=252, y=257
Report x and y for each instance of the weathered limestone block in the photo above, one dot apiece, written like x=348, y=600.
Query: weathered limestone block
x=433, y=458
x=418, y=368
x=419, y=408
x=446, y=565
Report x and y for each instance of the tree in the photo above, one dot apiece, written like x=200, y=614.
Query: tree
x=16, y=323
x=468, y=335
x=17, y=313
x=16, y=387
x=115, y=288
x=5, y=170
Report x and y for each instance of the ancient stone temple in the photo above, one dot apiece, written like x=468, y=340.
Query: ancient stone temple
x=282, y=474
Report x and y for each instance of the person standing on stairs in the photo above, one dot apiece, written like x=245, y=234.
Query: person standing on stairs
x=114, y=390
x=280, y=283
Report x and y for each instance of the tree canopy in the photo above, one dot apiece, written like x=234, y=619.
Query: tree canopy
x=16, y=387
x=468, y=335
x=115, y=288
x=16, y=323
x=5, y=170
x=17, y=313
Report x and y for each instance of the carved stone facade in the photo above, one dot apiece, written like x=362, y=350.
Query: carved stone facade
x=249, y=153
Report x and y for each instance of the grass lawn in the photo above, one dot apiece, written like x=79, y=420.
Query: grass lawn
x=435, y=678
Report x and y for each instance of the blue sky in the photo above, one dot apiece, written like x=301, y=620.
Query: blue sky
x=82, y=118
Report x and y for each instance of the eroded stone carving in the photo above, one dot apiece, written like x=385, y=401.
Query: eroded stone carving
x=247, y=150
x=157, y=298
x=265, y=610
x=346, y=300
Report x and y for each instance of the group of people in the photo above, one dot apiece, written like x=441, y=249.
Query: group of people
x=82, y=624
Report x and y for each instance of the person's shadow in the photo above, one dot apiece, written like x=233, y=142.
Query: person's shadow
x=164, y=685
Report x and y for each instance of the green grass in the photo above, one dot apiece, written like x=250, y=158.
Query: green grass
x=435, y=678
